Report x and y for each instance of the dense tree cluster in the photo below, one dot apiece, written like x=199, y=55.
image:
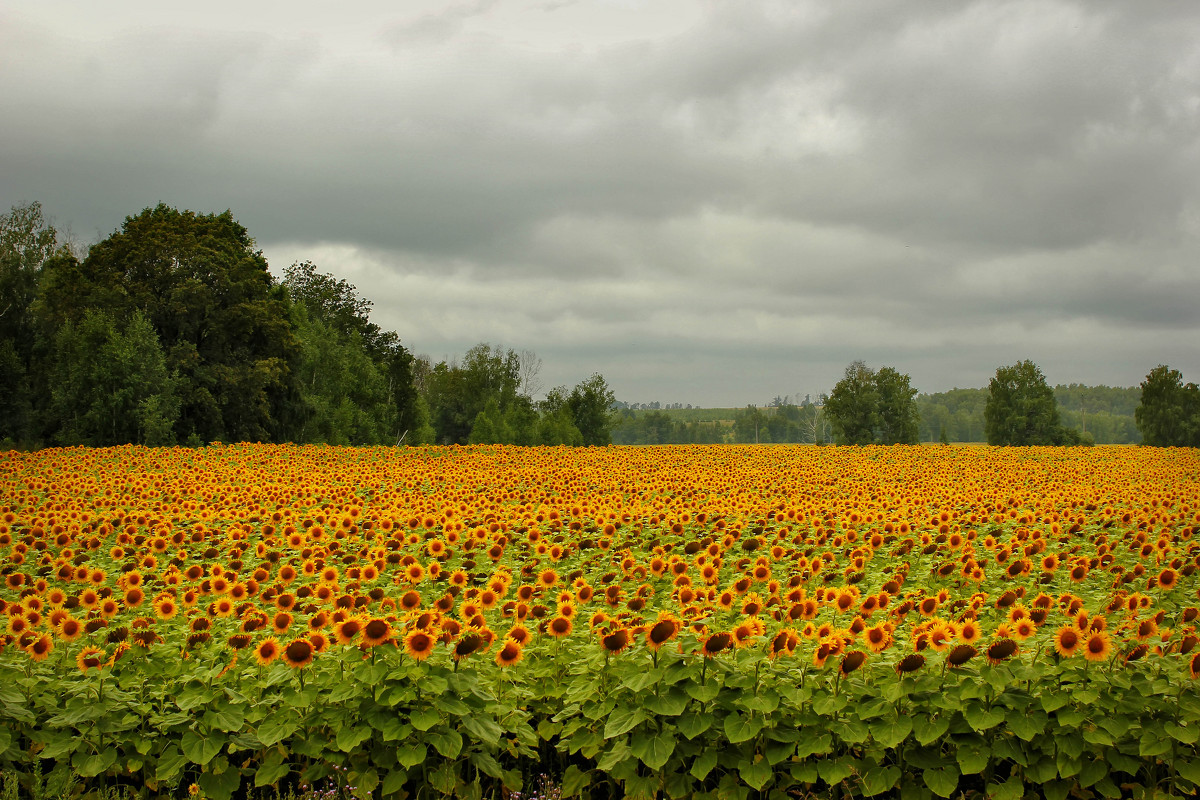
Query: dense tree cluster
x=1021, y=409
x=486, y=398
x=1105, y=413
x=1169, y=412
x=873, y=407
x=173, y=331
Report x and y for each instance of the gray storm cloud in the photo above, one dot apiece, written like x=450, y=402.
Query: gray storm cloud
x=708, y=202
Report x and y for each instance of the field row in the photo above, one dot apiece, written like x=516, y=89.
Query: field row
x=683, y=622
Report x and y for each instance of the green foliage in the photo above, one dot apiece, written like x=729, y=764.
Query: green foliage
x=335, y=305
x=111, y=384
x=1104, y=412
x=207, y=293
x=247, y=359
x=459, y=392
x=590, y=404
x=663, y=427
x=853, y=405
x=489, y=426
x=27, y=243
x=558, y=428
x=1169, y=412
x=899, y=420
x=480, y=401
x=873, y=407
x=345, y=393
x=1021, y=409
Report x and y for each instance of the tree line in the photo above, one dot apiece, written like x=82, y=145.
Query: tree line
x=173, y=331
x=871, y=406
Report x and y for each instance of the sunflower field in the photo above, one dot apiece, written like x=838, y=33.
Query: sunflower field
x=678, y=622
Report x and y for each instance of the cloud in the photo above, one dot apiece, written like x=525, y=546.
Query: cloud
x=730, y=195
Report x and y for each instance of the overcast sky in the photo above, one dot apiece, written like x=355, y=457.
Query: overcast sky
x=707, y=202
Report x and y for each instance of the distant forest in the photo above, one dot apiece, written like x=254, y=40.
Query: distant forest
x=1104, y=412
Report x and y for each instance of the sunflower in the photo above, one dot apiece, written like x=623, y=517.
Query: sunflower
x=348, y=630
x=281, y=621
x=1001, y=650
x=910, y=663
x=1168, y=579
x=299, y=653
x=661, y=632
x=90, y=658
x=1024, y=630
x=821, y=654
x=1137, y=652
x=1066, y=641
x=752, y=605
x=1194, y=666
x=878, y=638
x=969, y=632
x=716, y=643
x=615, y=641
x=70, y=629
x=267, y=651
x=467, y=645
x=239, y=641
x=940, y=636
x=559, y=626
x=852, y=661
x=166, y=607
x=1146, y=628
x=39, y=648
x=418, y=644
x=509, y=654
x=784, y=643
x=1097, y=646
x=961, y=654
x=376, y=632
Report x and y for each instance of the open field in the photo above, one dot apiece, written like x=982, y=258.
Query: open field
x=672, y=621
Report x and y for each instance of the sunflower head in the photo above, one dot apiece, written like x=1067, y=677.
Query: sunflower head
x=467, y=645
x=961, y=654
x=1001, y=650
x=616, y=641
x=1097, y=646
x=716, y=643
x=509, y=654
x=299, y=653
x=852, y=661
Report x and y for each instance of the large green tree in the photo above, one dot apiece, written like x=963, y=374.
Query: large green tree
x=590, y=403
x=222, y=322
x=853, y=405
x=1169, y=412
x=458, y=391
x=899, y=420
x=1021, y=409
x=873, y=407
x=27, y=243
x=345, y=393
x=111, y=384
x=332, y=307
